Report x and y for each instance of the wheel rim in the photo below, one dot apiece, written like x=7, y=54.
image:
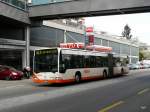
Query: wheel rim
x=122, y=71
x=104, y=75
x=7, y=78
x=77, y=78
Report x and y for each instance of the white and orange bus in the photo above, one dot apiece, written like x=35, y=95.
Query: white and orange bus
x=64, y=65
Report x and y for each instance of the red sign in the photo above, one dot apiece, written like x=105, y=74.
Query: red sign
x=89, y=47
x=72, y=45
x=99, y=48
x=89, y=29
x=91, y=38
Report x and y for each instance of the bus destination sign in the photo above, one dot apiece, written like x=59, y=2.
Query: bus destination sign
x=46, y=51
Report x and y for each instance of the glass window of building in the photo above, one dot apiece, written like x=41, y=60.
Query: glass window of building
x=46, y=36
x=74, y=37
x=134, y=60
x=39, y=2
x=125, y=49
x=10, y=32
x=134, y=51
x=17, y=3
x=11, y=58
x=104, y=42
x=115, y=46
x=97, y=41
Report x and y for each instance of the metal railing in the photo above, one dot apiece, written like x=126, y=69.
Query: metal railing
x=22, y=4
x=69, y=23
x=42, y=2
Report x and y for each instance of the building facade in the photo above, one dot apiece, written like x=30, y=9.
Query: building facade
x=52, y=33
x=14, y=33
x=16, y=46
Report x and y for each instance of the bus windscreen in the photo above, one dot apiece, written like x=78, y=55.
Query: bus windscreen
x=46, y=60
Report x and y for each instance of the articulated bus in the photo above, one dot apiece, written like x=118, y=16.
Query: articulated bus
x=64, y=65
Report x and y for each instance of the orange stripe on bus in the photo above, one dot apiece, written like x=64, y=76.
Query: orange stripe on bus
x=37, y=80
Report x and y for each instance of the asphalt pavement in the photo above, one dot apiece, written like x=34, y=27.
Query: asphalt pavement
x=130, y=93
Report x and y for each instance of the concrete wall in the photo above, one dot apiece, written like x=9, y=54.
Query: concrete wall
x=13, y=13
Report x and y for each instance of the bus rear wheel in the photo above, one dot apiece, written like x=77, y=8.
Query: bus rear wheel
x=122, y=71
x=104, y=74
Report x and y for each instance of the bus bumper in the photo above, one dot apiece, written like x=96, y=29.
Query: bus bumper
x=56, y=81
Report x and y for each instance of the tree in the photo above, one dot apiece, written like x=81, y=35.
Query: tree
x=127, y=32
x=141, y=56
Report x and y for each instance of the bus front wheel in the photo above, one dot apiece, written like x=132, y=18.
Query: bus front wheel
x=122, y=71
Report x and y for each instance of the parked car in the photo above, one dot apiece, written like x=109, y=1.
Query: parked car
x=140, y=66
x=10, y=73
x=133, y=66
x=146, y=66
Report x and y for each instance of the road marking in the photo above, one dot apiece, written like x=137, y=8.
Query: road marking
x=111, y=106
x=143, y=91
x=34, y=88
x=143, y=107
x=46, y=88
x=11, y=87
x=40, y=94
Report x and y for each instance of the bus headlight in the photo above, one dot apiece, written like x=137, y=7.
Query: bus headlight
x=58, y=78
x=52, y=78
x=35, y=78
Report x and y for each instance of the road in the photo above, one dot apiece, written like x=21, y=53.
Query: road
x=130, y=93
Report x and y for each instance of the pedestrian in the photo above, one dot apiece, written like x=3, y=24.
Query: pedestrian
x=26, y=72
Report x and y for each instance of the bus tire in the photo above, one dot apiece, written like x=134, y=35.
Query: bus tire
x=122, y=71
x=78, y=77
x=104, y=74
x=7, y=78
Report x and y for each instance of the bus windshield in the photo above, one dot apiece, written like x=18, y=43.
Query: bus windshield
x=46, y=61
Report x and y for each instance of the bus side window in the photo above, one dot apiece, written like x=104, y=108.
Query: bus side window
x=92, y=61
x=117, y=62
x=64, y=63
x=79, y=61
x=87, y=61
x=67, y=61
x=76, y=61
x=104, y=61
x=98, y=62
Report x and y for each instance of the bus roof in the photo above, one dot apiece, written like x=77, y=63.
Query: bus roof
x=82, y=52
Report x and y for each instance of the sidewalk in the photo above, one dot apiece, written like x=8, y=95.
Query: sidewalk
x=133, y=72
x=11, y=83
x=28, y=82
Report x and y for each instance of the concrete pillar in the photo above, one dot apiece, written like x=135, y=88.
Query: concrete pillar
x=108, y=43
x=120, y=48
x=101, y=41
x=27, y=48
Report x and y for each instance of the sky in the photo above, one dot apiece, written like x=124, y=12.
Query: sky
x=139, y=24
